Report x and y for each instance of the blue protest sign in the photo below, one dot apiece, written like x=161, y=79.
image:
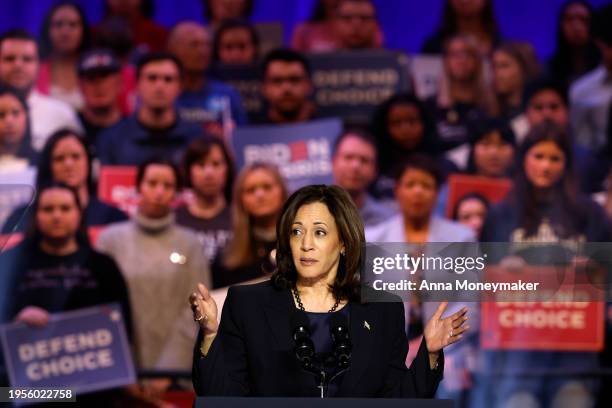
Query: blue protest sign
x=84, y=350
x=302, y=152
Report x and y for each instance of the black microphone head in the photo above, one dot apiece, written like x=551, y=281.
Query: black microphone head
x=299, y=319
x=338, y=320
x=300, y=329
x=341, y=343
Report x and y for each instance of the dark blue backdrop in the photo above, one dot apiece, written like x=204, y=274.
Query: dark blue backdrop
x=406, y=22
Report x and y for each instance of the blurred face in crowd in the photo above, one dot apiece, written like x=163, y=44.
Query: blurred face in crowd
x=18, y=63
x=66, y=30
x=461, y=64
x=576, y=24
x=356, y=25
x=262, y=195
x=58, y=215
x=159, y=84
x=405, y=125
x=286, y=87
x=544, y=164
x=507, y=73
x=69, y=162
x=13, y=121
x=493, y=155
x=157, y=190
x=315, y=243
x=416, y=193
x=236, y=47
x=354, y=164
x=547, y=104
x=472, y=212
x=227, y=9
x=468, y=8
x=101, y=90
x=191, y=44
x=209, y=176
x=125, y=8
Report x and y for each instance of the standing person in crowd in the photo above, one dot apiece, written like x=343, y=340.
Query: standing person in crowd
x=354, y=167
x=576, y=52
x=545, y=207
x=286, y=88
x=19, y=65
x=403, y=126
x=471, y=211
x=319, y=33
x=464, y=98
x=217, y=12
x=356, y=27
x=258, y=196
x=66, y=159
x=16, y=151
x=210, y=104
x=147, y=35
x=64, y=37
x=209, y=172
x=100, y=83
x=54, y=269
x=514, y=66
x=155, y=129
x=473, y=17
x=236, y=43
x=591, y=95
x=160, y=262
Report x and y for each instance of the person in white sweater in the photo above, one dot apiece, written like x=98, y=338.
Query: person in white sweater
x=161, y=262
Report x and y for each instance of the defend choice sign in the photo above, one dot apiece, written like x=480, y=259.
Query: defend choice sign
x=302, y=152
x=85, y=350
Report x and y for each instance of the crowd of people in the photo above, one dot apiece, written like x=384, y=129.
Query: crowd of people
x=129, y=92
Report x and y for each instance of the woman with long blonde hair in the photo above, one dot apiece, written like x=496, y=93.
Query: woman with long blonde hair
x=258, y=197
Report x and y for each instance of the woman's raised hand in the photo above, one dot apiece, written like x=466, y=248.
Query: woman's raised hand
x=440, y=332
x=204, y=309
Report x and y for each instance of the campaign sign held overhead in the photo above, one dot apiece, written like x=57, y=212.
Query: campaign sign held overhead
x=302, y=152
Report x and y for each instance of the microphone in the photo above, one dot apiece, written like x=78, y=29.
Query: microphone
x=341, y=342
x=304, y=347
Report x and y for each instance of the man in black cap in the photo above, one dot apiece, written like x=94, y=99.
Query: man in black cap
x=100, y=83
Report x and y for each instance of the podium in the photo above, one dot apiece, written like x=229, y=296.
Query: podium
x=234, y=402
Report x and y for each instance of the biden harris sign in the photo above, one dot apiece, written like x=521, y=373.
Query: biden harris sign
x=302, y=152
x=85, y=350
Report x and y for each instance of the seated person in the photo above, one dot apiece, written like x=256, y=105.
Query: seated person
x=16, y=152
x=236, y=43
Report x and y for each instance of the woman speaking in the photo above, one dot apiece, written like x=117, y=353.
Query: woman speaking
x=305, y=333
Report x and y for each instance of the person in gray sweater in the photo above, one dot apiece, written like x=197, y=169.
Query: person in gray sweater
x=161, y=262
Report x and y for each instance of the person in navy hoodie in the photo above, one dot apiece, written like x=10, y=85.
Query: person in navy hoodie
x=155, y=129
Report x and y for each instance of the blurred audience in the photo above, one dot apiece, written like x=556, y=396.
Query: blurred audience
x=66, y=159
x=286, y=88
x=258, y=197
x=473, y=17
x=217, y=12
x=236, y=42
x=356, y=27
x=471, y=211
x=19, y=65
x=576, y=51
x=354, y=167
x=591, y=94
x=16, y=152
x=209, y=172
x=210, y=104
x=493, y=151
x=101, y=84
x=64, y=36
x=160, y=262
x=155, y=129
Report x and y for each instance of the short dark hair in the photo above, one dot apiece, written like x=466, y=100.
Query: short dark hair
x=234, y=25
x=158, y=56
x=350, y=231
x=198, y=150
x=248, y=9
x=142, y=169
x=18, y=34
x=469, y=196
x=284, y=55
x=420, y=161
x=360, y=134
x=544, y=84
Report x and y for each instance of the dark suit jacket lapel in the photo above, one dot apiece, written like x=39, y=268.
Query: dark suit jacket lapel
x=278, y=310
x=362, y=338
